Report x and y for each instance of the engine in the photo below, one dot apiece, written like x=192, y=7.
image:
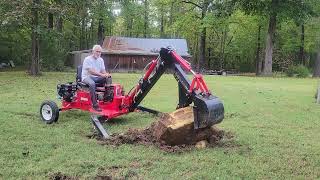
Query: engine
x=66, y=91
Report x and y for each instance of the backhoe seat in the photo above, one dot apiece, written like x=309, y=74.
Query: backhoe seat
x=82, y=84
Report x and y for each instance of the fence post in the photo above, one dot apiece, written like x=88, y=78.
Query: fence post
x=318, y=94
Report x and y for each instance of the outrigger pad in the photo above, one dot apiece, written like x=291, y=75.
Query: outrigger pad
x=207, y=111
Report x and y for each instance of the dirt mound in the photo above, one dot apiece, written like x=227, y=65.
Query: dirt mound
x=61, y=176
x=172, y=133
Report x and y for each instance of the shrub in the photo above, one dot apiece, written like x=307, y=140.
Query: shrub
x=298, y=71
x=53, y=53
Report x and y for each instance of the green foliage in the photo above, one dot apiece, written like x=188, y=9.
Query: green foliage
x=231, y=29
x=285, y=9
x=54, y=55
x=298, y=71
x=14, y=45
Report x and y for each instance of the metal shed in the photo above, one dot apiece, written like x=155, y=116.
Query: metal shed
x=124, y=54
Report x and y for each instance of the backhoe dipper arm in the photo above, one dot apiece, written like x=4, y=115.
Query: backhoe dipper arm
x=208, y=109
x=156, y=69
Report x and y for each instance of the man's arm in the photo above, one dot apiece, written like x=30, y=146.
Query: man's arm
x=93, y=72
x=102, y=73
x=103, y=70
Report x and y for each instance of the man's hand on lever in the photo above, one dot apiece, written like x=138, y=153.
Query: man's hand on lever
x=106, y=75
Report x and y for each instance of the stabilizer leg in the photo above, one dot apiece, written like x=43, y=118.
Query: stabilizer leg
x=152, y=111
x=99, y=127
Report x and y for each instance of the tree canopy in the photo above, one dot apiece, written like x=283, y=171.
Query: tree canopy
x=259, y=36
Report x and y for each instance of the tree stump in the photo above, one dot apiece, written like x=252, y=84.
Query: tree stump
x=177, y=128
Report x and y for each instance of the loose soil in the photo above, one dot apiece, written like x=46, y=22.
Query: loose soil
x=61, y=176
x=145, y=137
x=171, y=133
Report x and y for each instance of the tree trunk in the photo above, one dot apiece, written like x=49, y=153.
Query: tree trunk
x=202, y=50
x=75, y=31
x=258, y=59
x=267, y=70
x=109, y=31
x=223, y=41
x=50, y=20
x=60, y=24
x=171, y=18
x=100, y=32
x=202, y=44
x=318, y=95
x=82, y=37
x=129, y=27
x=60, y=19
x=145, y=18
x=92, y=31
x=87, y=37
x=35, y=67
x=195, y=57
x=301, y=53
x=162, y=24
x=316, y=72
x=209, y=58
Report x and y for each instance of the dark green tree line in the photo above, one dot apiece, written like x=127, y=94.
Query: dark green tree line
x=259, y=36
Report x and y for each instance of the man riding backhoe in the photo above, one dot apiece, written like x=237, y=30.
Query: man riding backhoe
x=113, y=101
x=94, y=71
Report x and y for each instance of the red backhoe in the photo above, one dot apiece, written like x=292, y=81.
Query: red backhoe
x=207, y=108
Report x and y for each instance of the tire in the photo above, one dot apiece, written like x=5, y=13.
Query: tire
x=49, y=112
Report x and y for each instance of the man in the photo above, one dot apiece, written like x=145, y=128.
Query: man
x=93, y=71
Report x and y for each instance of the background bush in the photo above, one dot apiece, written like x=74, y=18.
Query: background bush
x=298, y=71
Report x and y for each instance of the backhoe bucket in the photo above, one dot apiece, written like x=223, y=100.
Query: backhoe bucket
x=207, y=111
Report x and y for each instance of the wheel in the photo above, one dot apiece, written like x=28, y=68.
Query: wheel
x=49, y=112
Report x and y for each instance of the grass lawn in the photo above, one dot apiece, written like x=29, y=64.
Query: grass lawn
x=275, y=121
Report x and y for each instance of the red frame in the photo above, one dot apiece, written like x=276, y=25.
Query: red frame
x=117, y=107
x=121, y=103
x=199, y=84
x=197, y=81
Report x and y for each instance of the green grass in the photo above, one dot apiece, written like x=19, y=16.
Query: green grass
x=275, y=121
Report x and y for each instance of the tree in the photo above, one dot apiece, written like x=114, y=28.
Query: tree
x=274, y=10
x=316, y=72
x=100, y=31
x=218, y=35
x=59, y=5
x=35, y=66
x=301, y=52
x=258, y=58
x=301, y=17
x=146, y=20
x=131, y=22
x=162, y=8
x=203, y=6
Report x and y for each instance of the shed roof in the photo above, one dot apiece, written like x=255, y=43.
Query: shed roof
x=142, y=46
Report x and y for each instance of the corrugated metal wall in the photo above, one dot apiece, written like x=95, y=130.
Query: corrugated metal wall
x=118, y=63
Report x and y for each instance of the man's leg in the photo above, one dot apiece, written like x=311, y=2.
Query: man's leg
x=107, y=84
x=103, y=80
x=109, y=81
x=92, y=89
